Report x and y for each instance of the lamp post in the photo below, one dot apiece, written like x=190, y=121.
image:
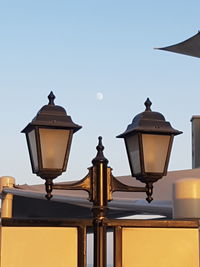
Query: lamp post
x=148, y=142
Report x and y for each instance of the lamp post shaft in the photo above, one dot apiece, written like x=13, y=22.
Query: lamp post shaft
x=100, y=244
x=100, y=203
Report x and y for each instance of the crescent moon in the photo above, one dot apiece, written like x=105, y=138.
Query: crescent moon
x=99, y=96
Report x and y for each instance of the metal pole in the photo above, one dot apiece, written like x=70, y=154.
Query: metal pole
x=100, y=242
x=100, y=202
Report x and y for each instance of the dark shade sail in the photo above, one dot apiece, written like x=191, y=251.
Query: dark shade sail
x=190, y=47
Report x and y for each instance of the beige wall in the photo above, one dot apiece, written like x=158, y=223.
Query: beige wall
x=160, y=247
x=38, y=247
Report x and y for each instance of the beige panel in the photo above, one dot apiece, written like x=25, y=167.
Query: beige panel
x=160, y=247
x=38, y=246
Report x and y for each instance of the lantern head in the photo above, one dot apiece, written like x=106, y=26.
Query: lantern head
x=49, y=138
x=148, y=141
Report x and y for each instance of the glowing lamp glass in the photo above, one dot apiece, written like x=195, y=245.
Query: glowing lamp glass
x=148, y=153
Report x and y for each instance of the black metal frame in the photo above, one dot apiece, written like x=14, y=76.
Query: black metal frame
x=82, y=226
x=85, y=225
x=118, y=226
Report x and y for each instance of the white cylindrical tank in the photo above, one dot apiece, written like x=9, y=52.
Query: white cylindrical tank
x=7, y=199
x=186, y=198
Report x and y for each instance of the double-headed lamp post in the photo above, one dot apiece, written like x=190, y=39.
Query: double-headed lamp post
x=148, y=143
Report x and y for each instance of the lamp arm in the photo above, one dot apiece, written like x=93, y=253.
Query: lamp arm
x=83, y=184
x=118, y=186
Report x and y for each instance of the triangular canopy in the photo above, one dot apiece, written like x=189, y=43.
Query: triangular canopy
x=190, y=47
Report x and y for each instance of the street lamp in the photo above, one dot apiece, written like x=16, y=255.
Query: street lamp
x=49, y=138
x=148, y=141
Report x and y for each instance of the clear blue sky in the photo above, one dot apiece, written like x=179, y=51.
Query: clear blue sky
x=79, y=48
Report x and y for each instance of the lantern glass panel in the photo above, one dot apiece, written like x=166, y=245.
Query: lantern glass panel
x=155, y=151
x=54, y=144
x=33, y=149
x=132, y=144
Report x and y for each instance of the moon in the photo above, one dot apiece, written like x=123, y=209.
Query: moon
x=99, y=96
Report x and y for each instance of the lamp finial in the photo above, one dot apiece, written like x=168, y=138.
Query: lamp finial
x=148, y=104
x=51, y=98
x=100, y=156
